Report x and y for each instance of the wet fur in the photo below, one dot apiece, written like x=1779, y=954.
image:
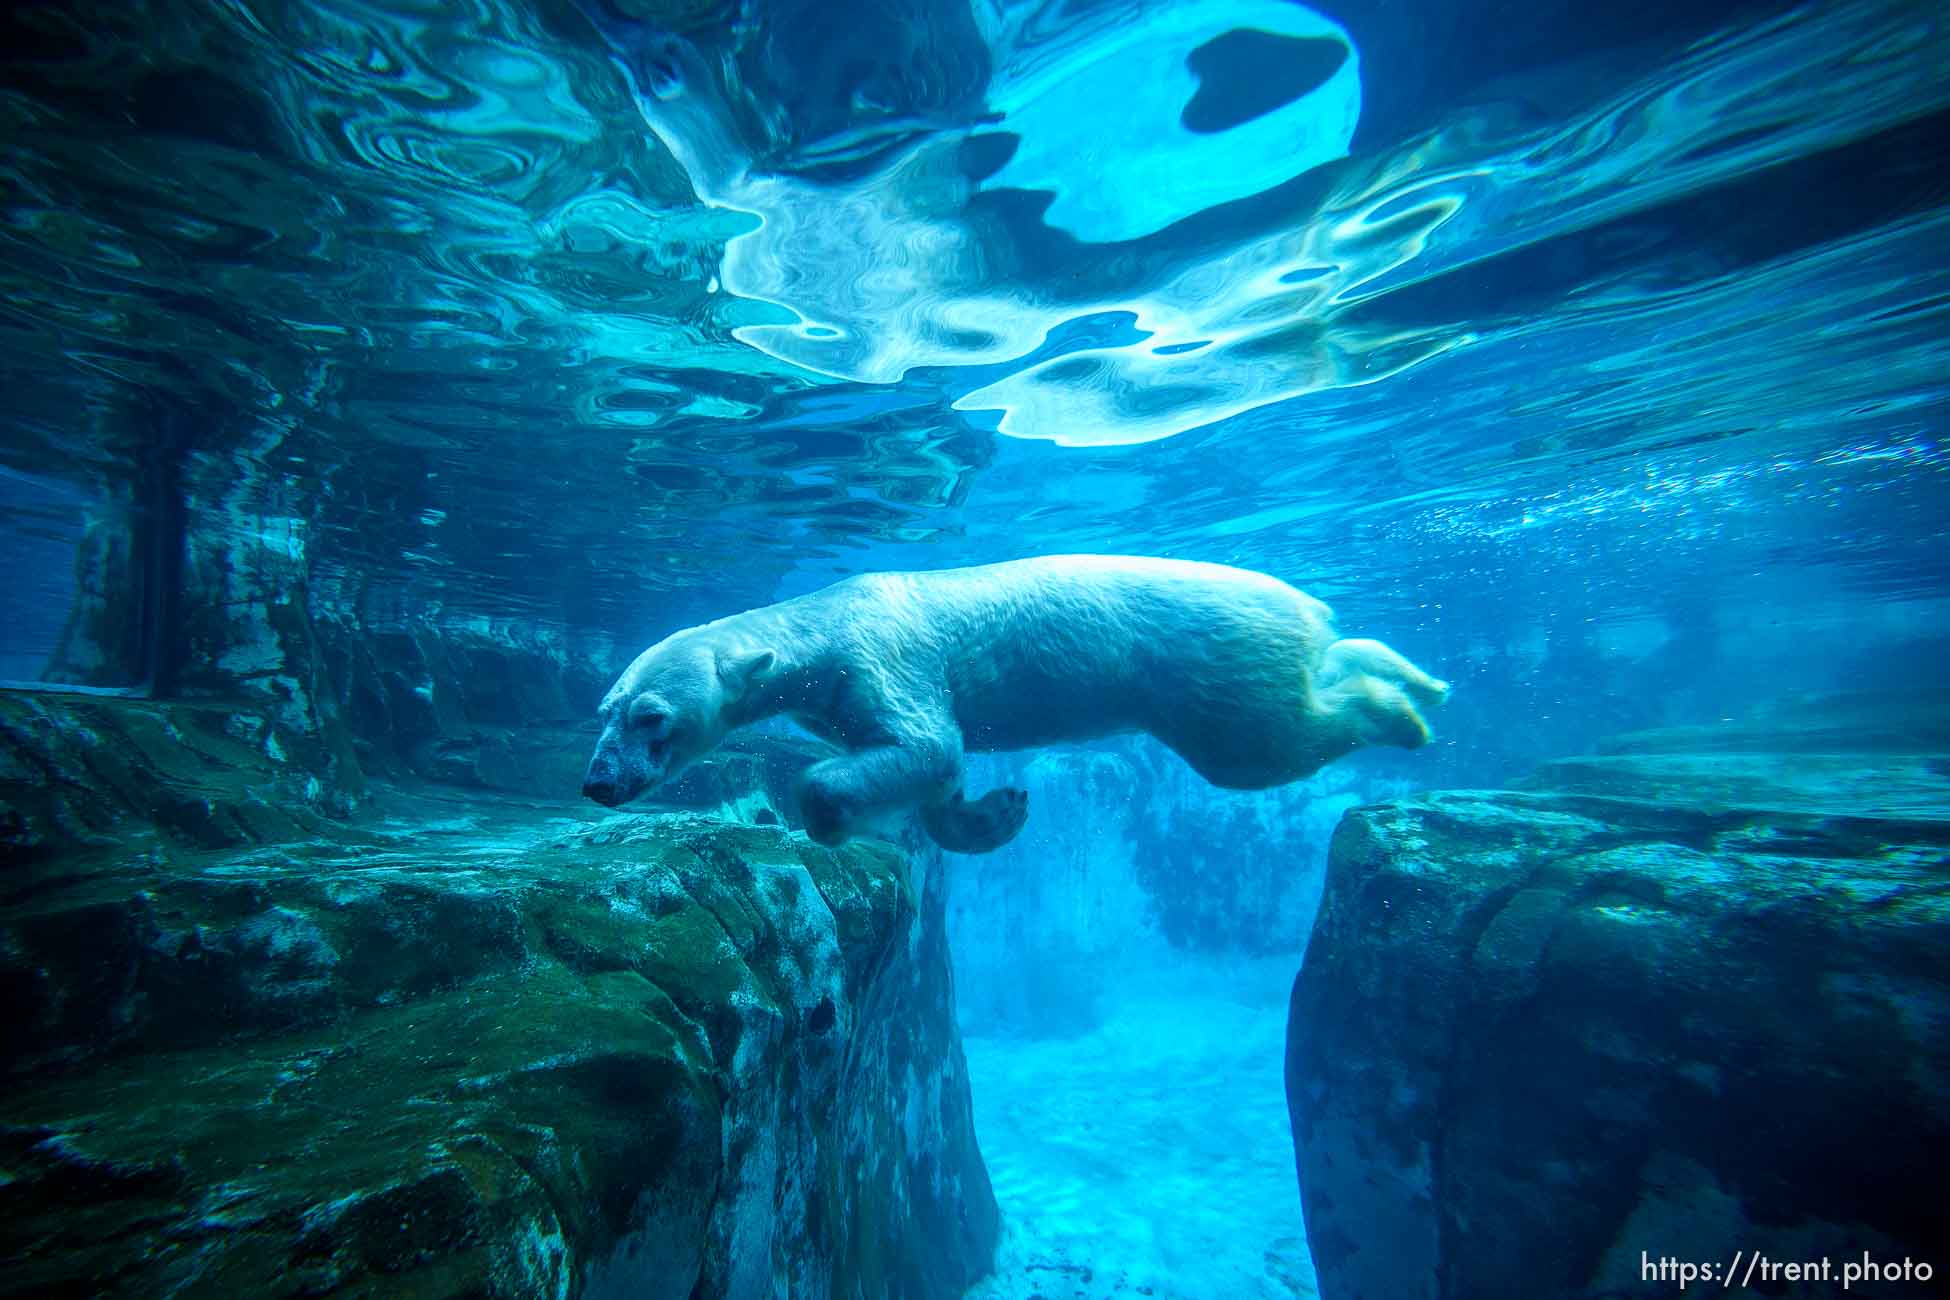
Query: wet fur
x=1237, y=672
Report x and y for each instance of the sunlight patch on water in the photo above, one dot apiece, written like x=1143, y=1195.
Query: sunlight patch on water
x=1122, y=174
x=439, y=246
x=890, y=272
x=901, y=264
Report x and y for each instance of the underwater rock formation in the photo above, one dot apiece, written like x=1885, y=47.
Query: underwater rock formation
x=212, y=579
x=491, y=705
x=462, y=1047
x=1684, y=998
x=80, y=772
x=1132, y=855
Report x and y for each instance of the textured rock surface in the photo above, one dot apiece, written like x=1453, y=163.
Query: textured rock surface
x=79, y=772
x=504, y=707
x=1683, y=1003
x=489, y=705
x=470, y=1048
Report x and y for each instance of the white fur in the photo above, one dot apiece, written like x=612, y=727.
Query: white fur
x=1236, y=671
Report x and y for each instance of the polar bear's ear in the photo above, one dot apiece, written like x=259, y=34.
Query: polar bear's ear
x=740, y=672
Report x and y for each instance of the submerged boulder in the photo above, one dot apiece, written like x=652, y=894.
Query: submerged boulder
x=1128, y=853
x=467, y=1049
x=1686, y=998
x=97, y=772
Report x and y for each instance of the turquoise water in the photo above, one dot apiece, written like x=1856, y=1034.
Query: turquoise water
x=1596, y=356
x=1493, y=301
x=1618, y=339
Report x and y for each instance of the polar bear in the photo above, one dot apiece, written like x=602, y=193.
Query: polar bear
x=1237, y=672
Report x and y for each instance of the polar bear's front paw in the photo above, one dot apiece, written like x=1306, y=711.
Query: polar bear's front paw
x=823, y=826
x=978, y=826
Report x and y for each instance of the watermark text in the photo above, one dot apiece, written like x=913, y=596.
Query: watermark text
x=1748, y=1267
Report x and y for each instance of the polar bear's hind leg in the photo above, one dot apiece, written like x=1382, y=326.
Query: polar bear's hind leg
x=1355, y=656
x=1375, y=712
x=839, y=797
x=1377, y=692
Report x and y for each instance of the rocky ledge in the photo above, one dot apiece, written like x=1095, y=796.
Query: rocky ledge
x=460, y=1047
x=1685, y=998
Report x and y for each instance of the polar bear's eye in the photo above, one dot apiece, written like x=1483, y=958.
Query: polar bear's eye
x=645, y=714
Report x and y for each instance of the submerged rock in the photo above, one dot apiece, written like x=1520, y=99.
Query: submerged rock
x=1128, y=857
x=1661, y=1004
x=471, y=1050
x=84, y=772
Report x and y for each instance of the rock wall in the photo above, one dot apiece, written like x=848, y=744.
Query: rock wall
x=193, y=583
x=1685, y=998
x=278, y=1030
x=81, y=774
x=200, y=578
x=463, y=1046
x=489, y=705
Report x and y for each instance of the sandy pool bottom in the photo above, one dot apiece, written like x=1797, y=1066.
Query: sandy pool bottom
x=1149, y=1157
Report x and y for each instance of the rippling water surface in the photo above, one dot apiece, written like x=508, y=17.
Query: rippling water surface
x=606, y=313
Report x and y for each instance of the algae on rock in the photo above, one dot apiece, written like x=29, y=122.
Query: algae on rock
x=455, y=1049
x=1685, y=999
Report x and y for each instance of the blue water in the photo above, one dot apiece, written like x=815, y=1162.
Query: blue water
x=1493, y=275
x=1594, y=355
x=1512, y=326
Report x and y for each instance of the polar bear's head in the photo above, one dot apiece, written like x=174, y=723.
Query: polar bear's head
x=668, y=709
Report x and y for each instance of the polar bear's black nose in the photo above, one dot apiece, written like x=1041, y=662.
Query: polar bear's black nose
x=602, y=790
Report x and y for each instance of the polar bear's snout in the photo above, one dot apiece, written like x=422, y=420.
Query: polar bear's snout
x=603, y=781
x=613, y=782
x=622, y=768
